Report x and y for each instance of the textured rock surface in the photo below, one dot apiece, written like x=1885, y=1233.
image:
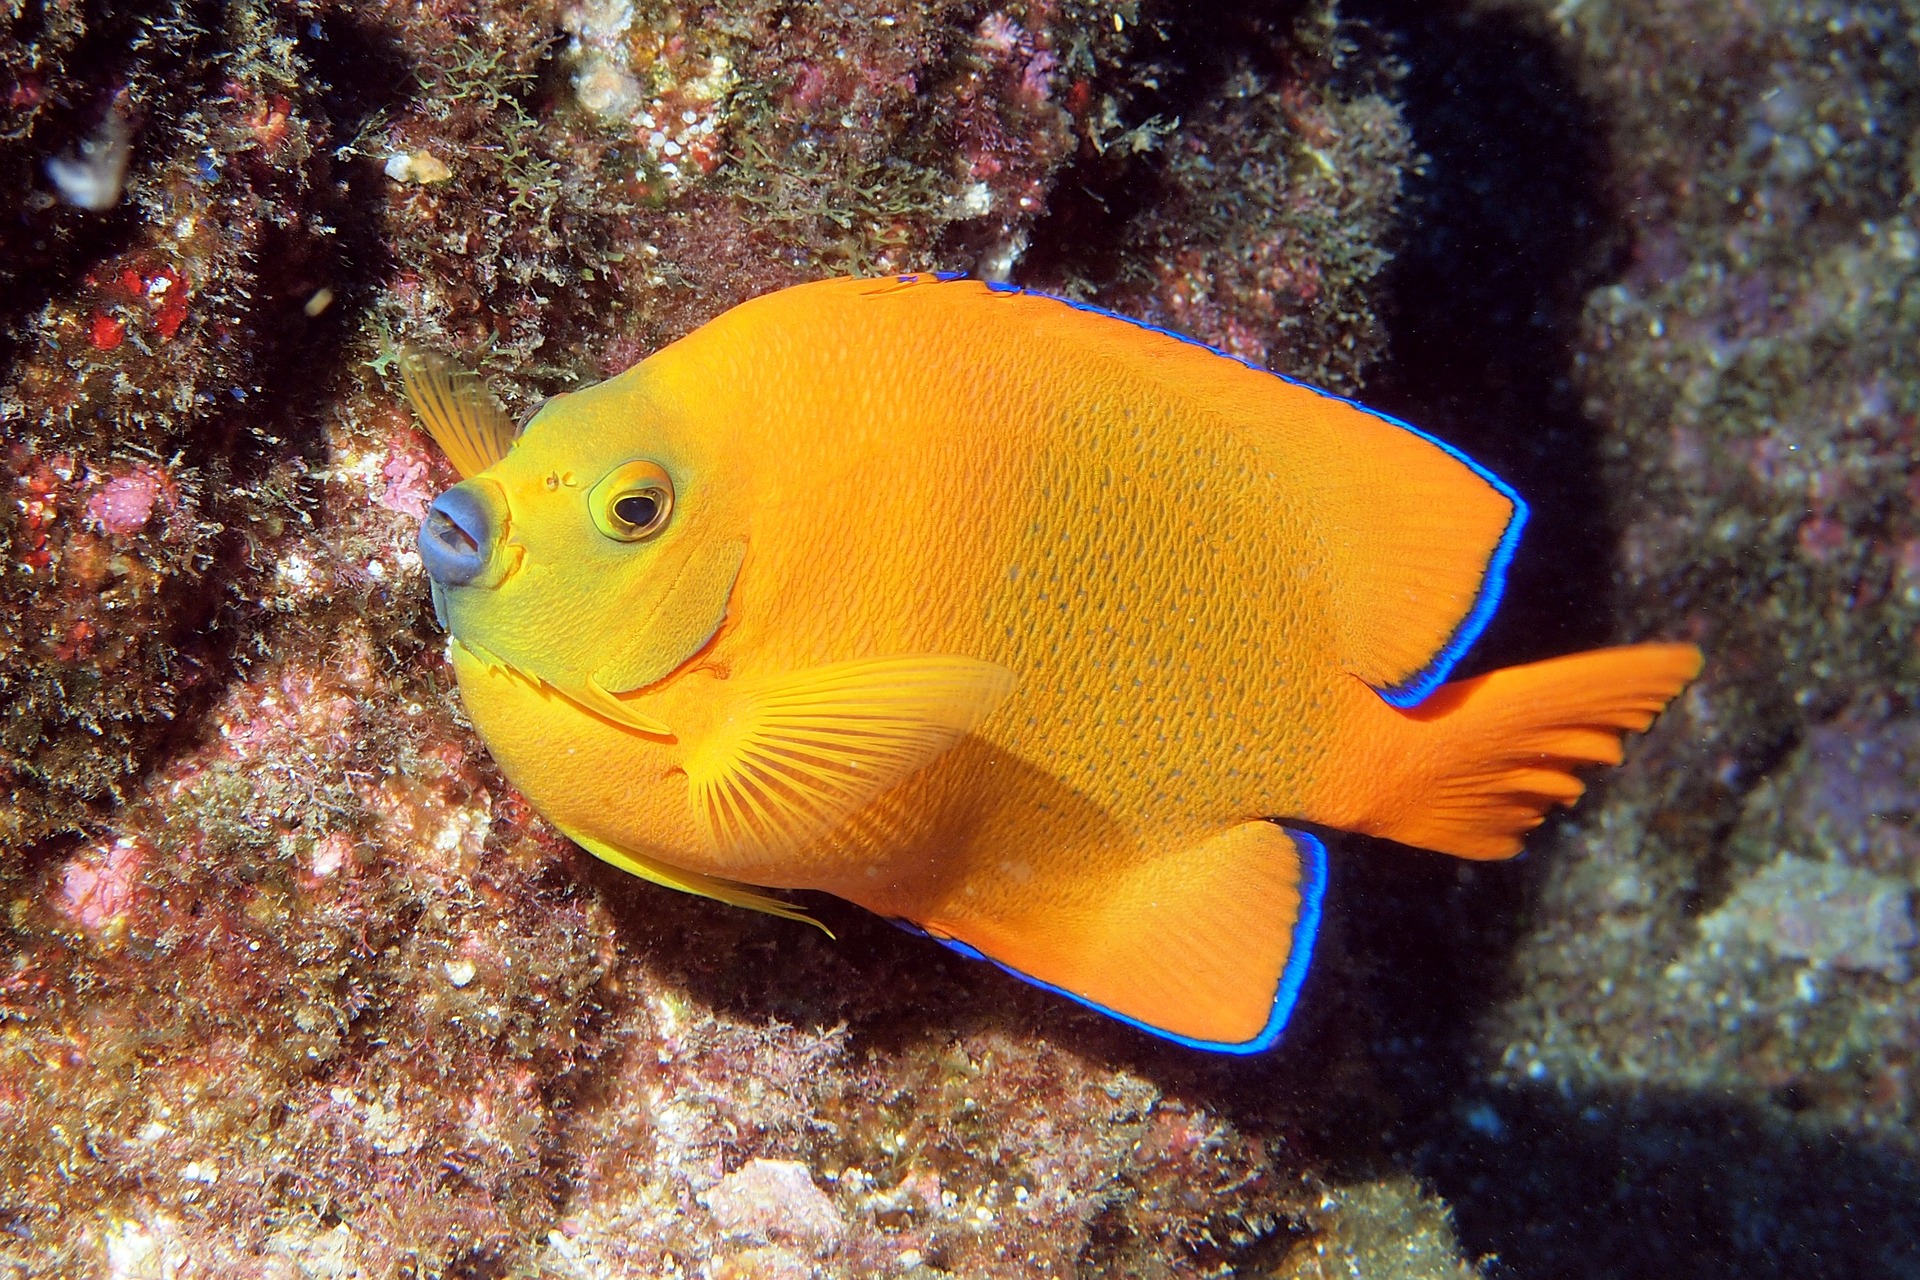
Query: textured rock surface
x=291, y=983
x=1704, y=1062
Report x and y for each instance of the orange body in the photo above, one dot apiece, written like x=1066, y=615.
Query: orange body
x=1209, y=587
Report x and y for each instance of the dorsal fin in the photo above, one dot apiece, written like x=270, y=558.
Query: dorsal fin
x=1422, y=536
x=1418, y=535
x=457, y=409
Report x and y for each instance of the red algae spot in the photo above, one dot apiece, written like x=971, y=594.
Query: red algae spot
x=40, y=510
x=1822, y=538
x=97, y=887
x=1079, y=98
x=1173, y=1135
x=776, y=1200
x=138, y=290
x=167, y=295
x=124, y=504
x=267, y=121
x=78, y=643
x=106, y=332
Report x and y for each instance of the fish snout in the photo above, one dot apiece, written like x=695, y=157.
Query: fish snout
x=458, y=537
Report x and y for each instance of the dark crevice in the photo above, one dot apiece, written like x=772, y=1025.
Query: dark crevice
x=1509, y=226
x=321, y=229
x=228, y=404
x=47, y=246
x=1183, y=54
x=1617, y=1185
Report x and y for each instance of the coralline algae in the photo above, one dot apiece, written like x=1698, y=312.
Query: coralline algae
x=1831, y=916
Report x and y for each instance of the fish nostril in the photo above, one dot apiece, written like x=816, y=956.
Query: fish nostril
x=455, y=537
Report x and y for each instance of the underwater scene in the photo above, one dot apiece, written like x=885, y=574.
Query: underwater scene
x=952, y=638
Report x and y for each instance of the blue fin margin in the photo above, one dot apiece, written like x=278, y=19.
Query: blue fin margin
x=1313, y=890
x=1493, y=583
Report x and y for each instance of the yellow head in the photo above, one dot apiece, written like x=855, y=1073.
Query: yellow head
x=597, y=553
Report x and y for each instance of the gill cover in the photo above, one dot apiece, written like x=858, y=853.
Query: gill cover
x=577, y=596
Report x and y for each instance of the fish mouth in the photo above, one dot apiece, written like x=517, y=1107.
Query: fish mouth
x=465, y=538
x=448, y=537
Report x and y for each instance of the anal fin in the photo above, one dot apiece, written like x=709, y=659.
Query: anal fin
x=1206, y=945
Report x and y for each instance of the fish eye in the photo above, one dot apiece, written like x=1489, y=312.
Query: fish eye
x=633, y=501
x=638, y=510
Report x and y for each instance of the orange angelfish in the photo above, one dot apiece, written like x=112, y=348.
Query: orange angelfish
x=1037, y=629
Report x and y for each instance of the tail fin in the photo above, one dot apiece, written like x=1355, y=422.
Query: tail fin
x=1491, y=755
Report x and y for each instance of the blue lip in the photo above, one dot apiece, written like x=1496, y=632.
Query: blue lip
x=456, y=538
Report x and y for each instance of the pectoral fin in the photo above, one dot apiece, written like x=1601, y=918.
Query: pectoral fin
x=727, y=891
x=797, y=756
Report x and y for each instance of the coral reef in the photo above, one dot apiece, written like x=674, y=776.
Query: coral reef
x=1254, y=208
x=156, y=387
x=292, y=984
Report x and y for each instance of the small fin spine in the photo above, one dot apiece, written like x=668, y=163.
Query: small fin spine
x=457, y=410
x=1306, y=929
x=730, y=892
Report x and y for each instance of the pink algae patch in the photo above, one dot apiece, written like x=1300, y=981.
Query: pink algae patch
x=408, y=480
x=97, y=887
x=124, y=504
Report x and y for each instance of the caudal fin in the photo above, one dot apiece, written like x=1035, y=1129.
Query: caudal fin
x=1486, y=758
